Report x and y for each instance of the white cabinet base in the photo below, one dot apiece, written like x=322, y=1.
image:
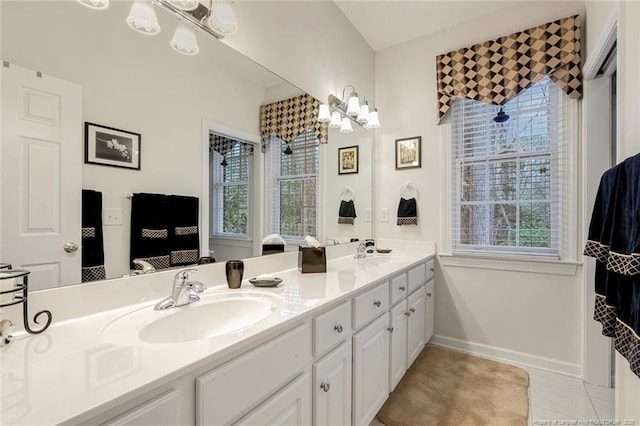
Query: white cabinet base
x=332, y=388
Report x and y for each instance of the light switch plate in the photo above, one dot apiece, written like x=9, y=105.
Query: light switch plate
x=112, y=217
x=367, y=215
x=384, y=215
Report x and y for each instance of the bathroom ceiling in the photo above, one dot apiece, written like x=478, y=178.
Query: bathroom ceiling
x=386, y=23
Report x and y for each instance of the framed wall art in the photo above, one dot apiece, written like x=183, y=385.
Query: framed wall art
x=409, y=153
x=107, y=146
x=348, y=160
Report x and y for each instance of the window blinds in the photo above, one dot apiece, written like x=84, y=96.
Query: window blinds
x=510, y=180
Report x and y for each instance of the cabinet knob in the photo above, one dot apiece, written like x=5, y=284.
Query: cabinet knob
x=401, y=288
x=408, y=314
x=428, y=294
x=432, y=269
x=377, y=303
x=412, y=309
x=338, y=328
x=325, y=386
x=390, y=329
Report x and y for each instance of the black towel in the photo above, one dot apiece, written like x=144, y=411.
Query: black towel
x=272, y=249
x=407, y=212
x=92, y=236
x=185, y=240
x=150, y=230
x=347, y=212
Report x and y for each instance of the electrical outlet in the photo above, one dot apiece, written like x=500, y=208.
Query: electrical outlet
x=367, y=215
x=112, y=217
x=384, y=215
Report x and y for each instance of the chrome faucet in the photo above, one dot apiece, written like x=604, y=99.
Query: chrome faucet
x=183, y=292
x=361, y=251
x=146, y=267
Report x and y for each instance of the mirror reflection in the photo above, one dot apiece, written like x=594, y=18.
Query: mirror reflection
x=99, y=71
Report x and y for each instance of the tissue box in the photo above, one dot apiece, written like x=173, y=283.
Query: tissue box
x=311, y=259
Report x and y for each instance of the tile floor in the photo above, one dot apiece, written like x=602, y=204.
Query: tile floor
x=556, y=397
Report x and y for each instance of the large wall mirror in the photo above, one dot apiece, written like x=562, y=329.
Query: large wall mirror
x=139, y=85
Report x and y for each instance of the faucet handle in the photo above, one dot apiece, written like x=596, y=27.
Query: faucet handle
x=196, y=286
x=182, y=276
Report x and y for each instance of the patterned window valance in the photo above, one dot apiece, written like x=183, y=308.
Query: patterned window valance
x=222, y=144
x=289, y=118
x=498, y=70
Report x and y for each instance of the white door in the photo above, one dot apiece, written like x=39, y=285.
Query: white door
x=370, y=370
x=415, y=325
x=332, y=388
x=429, y=311
x=41, y=160
x=398, y=343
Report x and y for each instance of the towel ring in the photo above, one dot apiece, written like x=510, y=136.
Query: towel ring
x=346, y=194
x=408, y=191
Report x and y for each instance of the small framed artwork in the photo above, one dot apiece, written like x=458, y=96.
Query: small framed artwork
x=111, y=147
x=409, y=153
x=348, y=160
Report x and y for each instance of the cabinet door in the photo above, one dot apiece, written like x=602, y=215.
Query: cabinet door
x=415, y=325
x=158, y=411
x=332, y=388
x=430, y=311
x=291, y=406
x=398, y=343
x=370, y=370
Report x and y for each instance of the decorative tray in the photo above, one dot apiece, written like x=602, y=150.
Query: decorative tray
x=265, y=283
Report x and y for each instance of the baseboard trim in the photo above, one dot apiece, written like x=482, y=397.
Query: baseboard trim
x=507, y=356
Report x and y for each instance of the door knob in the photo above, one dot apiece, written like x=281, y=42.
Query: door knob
x=70, y=246
x=325, y=386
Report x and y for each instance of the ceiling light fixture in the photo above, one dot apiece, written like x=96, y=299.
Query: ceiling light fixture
x=222, y=18
x=184, y=40
x=354, y=108
x=288, y=150
x=224, y=162
x=324, y=115
x=95, y=4
x=142, y=18
x=501, y=117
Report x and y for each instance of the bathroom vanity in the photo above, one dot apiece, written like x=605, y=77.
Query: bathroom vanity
x=321, y=349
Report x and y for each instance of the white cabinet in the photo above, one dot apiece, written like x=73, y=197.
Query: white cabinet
x=158, y=411
x=429, y=310
x=370, y=370
x=397, y=343
x=291, y=406
x=415, y=324
x=227, y=392
x=332, y=388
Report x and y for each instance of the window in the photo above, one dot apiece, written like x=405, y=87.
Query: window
x=294, y=193
x=509, y=180
x=231, y=162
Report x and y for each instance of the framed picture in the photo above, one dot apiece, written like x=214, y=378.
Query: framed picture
x=348, y=160
x=409, y=153
x=111, y=147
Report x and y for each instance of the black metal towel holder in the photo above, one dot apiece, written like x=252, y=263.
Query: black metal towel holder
x=7, y=273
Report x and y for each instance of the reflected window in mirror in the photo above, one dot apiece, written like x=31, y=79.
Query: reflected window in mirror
x=293, y=186
x=231, y=165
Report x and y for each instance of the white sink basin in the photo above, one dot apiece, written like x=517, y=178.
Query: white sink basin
x=214, y=315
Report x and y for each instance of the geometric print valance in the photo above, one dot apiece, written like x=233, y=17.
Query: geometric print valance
x=496, y=71
x=222, y=144
x=289, y=118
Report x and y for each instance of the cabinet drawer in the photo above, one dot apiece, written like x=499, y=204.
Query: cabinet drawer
x=160, y=410
x=417, y=277
x=369, y=305
x=430, y=269
x=398, y=288
x=230, y=390
x=331, y=328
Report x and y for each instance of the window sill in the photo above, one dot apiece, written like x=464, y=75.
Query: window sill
x=231, y=241
x=504, y=263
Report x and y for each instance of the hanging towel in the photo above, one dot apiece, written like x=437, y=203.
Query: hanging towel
x=185, y=238
x=150, y=224
x=273, y=244
x=347, y=212
x=614, y=241
x=92, y=237
x=407, y=212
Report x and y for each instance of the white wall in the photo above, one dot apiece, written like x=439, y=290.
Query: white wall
x=136, y=83
x=519, y=316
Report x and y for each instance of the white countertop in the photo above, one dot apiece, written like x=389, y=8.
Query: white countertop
x=72, y=370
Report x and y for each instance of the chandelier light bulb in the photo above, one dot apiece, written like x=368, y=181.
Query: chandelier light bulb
x=346, y=126
x=143, y=19
x=335, y=120
x=374, y=121
x=363, y=115
x=324, y=115
x=353, y=107
x=184, y=40
x=222, y=19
